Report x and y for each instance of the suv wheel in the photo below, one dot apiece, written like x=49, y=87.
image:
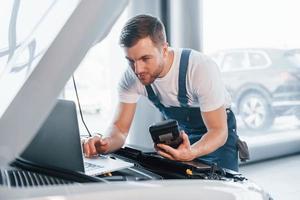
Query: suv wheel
x=255, y=111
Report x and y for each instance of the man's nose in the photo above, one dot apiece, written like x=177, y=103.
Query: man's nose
x=139, y=67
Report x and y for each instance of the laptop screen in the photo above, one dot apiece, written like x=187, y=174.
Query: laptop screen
x=57, y=143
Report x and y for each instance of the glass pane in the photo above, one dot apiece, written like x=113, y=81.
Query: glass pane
x=234, y=61
x=264, y=84
x=293, y=57
x=257, y=60
x=97, y=79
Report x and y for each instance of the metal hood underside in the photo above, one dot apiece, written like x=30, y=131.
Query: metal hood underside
x=89, y=23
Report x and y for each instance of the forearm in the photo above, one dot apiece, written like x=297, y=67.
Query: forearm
x=209, y=142
x=116, y=138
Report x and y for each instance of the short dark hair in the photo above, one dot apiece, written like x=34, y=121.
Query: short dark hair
x=142, y=26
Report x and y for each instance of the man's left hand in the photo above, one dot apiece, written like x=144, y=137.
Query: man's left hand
x=184, y=152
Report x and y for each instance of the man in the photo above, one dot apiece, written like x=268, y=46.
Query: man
x=184, y=85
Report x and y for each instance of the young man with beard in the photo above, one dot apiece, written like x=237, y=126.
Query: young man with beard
x=184, y=85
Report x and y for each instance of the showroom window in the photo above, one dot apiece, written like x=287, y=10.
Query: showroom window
x=97, y=79
x=256, y=44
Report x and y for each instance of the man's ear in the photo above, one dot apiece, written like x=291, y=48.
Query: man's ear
x=165, y=48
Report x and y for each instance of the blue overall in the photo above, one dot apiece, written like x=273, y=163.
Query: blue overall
x=190, y=120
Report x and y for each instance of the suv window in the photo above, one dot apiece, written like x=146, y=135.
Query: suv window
x=234, y=61
x=293, y=56
x=257, y=60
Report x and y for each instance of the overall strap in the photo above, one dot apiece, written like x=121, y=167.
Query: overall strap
x=184, y=61
x=153, y=98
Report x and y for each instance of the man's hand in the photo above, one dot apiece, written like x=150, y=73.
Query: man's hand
x=183, y=153
x=95, y=145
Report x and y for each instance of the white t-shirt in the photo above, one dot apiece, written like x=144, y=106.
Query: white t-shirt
x=204, y=85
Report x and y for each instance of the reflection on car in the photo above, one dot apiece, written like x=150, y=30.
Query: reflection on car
x=264, y=83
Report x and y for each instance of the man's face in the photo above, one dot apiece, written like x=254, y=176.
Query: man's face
x=146, y=60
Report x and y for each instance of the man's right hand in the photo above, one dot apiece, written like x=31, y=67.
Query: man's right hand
x=95, y=145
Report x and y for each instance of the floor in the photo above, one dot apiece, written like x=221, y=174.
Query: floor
x=280, y=177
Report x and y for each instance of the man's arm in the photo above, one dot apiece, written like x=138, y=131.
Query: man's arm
x=116, y=135
x=216, y=136
x=217, y=132
x=122, y=122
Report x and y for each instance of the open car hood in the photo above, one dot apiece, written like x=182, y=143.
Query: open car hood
x=88, y=24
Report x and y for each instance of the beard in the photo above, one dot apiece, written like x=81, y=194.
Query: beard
x=148, y=78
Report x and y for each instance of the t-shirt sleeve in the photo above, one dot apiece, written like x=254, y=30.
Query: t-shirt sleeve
x=128, y=88
x=208, y=84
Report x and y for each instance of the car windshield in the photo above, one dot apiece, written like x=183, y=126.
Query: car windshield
x=293, y=56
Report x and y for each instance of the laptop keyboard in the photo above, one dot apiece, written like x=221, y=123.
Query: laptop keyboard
x=89, y=166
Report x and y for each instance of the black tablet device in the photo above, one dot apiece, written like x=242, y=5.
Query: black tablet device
x=166, y=132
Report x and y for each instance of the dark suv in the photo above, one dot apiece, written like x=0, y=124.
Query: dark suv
x=264, y=83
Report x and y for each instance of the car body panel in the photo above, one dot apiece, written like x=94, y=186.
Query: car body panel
x=170, y=189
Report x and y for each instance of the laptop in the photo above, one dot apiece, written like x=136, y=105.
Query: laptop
x=57, y=144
